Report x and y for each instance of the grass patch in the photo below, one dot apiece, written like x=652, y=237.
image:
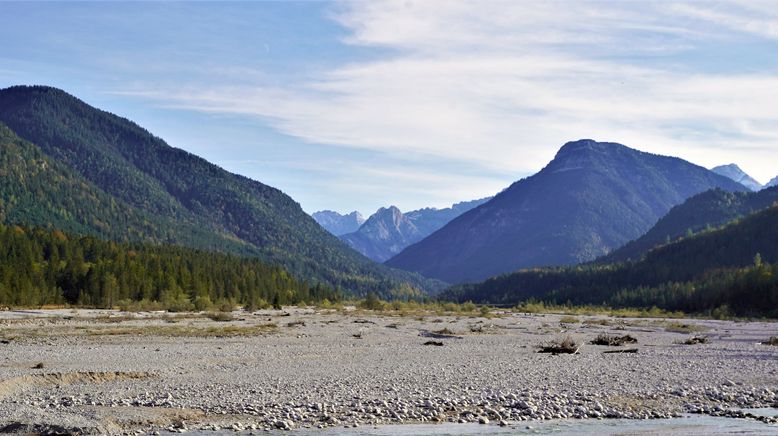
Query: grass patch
x=589, y=310
x=220, y=316
x=569, y=320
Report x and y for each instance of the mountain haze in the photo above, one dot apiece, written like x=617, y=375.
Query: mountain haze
x=384, y=234
x=103, y=175
x=338, y=224
x=735, y=173
x=389, y=231
x=593, y=197
x=771, y=183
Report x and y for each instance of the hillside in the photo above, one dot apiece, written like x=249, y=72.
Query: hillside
x=592, y=198
x=735, y=173
x=703, y=211
x=338, y=224
x=39, y=267
x=388, y=231
x=726, y=267
x=168, y=195
x=771, y=183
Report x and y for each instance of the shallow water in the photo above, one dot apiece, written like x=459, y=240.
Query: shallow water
x=686, y=426
x=689, y=425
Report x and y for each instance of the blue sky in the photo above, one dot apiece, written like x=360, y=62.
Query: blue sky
x=357, y=105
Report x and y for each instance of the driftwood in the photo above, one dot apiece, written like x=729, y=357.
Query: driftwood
x=563, y=346
x=435, y=343
x=696, y=340
x=613, y=341
x=626, y=350
x=437, y=335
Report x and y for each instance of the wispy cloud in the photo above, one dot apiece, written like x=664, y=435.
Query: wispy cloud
x=501, y=84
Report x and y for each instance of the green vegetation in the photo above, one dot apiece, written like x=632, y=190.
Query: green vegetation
x=39, y=267
x=702, y=213
x=68, y=166
x=720, y=273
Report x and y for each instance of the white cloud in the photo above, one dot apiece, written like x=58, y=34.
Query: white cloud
x=502, y=84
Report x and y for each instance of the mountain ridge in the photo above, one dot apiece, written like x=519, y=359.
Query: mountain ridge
x=735, y=173
x=591, y=198
x=389, y=230
x=338, y=224
x=166, y=184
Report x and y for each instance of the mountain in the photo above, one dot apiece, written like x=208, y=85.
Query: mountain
x=707, y=210
x=771, y=183
x=389, y=231
x=384, y=234
x=735, y=173
x=430, y=219
x=338, y=224
x=593, y=197
x=725, y=270
x=91, y=172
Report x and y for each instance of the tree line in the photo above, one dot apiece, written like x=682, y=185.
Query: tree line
x=44, y=267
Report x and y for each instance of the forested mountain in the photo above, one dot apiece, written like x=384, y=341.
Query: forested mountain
x=105, y=176
x=703, y=211
x=338, y=224
x=727, y=269
x=593, y=197
x=771, y=183
x=735, y=173
x=388, y=231
x=49, y=267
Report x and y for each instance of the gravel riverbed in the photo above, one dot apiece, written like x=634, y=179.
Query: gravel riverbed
x=90, y=371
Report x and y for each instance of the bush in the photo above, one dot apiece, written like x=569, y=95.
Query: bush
x=203, y=303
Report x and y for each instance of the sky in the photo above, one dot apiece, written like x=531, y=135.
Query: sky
x=357, y=105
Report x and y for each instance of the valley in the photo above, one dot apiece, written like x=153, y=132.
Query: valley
x=97, y=371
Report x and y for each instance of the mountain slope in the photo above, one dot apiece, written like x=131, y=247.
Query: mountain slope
x=722, y=268
x=771, y=183
x=174, y=188
x=592, y=198
x=338, y=224
x=735, y=173
x=429, y=219
x=388, y=231
x=383, y=235
x=706, y=210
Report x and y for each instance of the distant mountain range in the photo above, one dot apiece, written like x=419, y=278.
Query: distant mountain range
x=69, y=166
x=592, y=198
x=338, y=224
x=388, y=231
x=735, y=173
x=725, y=270
x=771, y=183
x=704, y=211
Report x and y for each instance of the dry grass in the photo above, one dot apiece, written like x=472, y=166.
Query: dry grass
x=220, y=316
x=565, y=345
x=189, y=330
x=569, y=320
